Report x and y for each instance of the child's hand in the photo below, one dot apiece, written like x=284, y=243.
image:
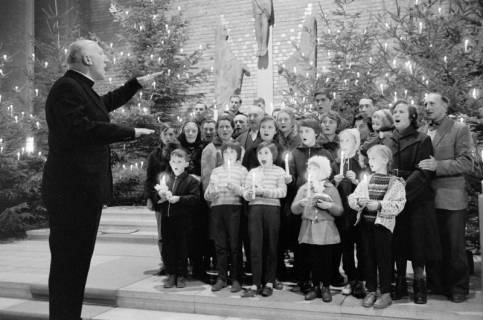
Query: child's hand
x=351, y=175
x=372, y=205
x=288, y=178
x=173, y=199
x=338, y=178
x=324, y=205
x=362, y=202
x=250, y=194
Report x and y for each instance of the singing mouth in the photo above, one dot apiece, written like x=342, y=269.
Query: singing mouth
x=264, y=161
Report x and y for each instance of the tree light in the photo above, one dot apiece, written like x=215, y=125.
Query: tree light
x=29, y=145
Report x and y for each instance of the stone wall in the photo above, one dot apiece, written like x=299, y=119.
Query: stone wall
x=204, y=15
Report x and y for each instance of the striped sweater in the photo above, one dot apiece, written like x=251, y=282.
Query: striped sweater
x=271, y=180
x=218, y=193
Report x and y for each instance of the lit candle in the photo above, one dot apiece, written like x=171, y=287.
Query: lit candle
x=309, y=186
x=341, y=162
x=18, y=155
x=466, y=45
x=228, y=165
x=215, y=114
x=287, y=169
x=36, y=92
x=29, y=145
x=365, y=186
x=420, y=27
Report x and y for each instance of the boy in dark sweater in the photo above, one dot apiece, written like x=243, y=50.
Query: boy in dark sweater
x=179, y=195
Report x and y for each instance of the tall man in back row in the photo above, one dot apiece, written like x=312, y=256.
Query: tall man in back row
x=452, y=146
x=77, y=177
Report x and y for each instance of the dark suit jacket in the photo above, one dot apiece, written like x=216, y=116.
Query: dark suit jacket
x=77, y=174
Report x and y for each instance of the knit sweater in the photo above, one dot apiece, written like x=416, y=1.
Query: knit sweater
x=218, y=193
x=377, y=189
x=271, y=180
x=391, y=205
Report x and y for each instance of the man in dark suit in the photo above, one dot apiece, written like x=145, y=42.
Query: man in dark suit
x=77, y=177
x=452, y=145
x=250, y=138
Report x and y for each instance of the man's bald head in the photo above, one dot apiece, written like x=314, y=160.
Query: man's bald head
x=88, y=57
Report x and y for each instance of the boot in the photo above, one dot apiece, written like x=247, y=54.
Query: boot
x=420, y=292
x=401, y=289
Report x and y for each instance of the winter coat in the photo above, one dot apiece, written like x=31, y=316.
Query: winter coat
x=187, y=188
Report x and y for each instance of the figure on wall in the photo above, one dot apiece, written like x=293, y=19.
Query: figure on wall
x=305, y=60
x=263, y=14
x=229, y=70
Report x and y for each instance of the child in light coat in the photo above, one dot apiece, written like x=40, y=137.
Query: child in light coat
x=318, y=202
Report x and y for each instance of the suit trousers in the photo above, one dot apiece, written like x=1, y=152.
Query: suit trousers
x=263, y=229
x=71, y=249
x=225, y=233
x=451, y=274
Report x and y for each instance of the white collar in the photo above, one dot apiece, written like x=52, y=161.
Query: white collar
x=82, y=73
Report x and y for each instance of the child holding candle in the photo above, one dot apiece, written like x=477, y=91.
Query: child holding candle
x=177, y=202
x=378, y=200
x=265, y=186
x=224, y=193
x=309, y=130
x=319, y=202
x=346, y=182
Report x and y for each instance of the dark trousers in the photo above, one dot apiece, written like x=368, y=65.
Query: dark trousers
x=245, y=239
x=199, y=242
x=350, y=238
x=300, y=264
x=451, y=274
x=160, y=238
x=175, y=235
x=376, y=243
x=71, y=249
x=319, y=258
x=263, y=229
x=225, y=233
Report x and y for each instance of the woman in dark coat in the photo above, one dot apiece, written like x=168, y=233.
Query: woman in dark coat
x=415, y=236
x=158, y=161
x=199, y=247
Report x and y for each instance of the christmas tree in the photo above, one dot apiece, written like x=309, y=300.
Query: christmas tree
x=22, y=154
x=433, y=46
x=346, y=69
x=151, y=36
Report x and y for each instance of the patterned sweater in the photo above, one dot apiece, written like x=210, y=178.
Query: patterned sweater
x=271, y=180
x=218, y=193
x=391, y=205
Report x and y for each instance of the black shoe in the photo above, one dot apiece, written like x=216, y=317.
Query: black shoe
x=326, y=295
x=358, y=290
x=267, y=291
x=401, y=289
x=457, y=297
x=420, y=292
x=180, y=282
x=313, y=293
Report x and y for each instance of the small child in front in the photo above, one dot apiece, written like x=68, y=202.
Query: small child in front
x=225, y=192
x=264, y=187
x=378, y=200
x=319, y=202
x=179, y=195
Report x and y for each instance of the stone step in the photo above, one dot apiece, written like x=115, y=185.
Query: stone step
x=197, y=298
x=106, y=233
x=144, y=223
x=23, y=309
x=132, y=212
